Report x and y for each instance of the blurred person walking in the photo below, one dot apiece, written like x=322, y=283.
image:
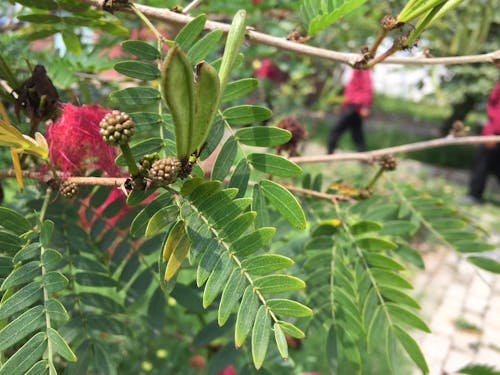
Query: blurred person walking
x=358, y=97
x=488, y=157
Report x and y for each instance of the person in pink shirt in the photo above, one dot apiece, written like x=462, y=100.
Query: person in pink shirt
x=358, y=97
x=488, y=157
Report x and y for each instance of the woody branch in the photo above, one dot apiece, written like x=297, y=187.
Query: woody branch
x=168, y=16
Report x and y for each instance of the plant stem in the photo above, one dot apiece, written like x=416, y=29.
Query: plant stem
x=393, y=49
x=373, y=50
x=147, y=22
x=129, y=159
x=43, y=211
x=374, y=180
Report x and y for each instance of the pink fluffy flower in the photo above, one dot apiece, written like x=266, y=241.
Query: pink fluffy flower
x=75, y=144
x=267, y=69
x=229, y=370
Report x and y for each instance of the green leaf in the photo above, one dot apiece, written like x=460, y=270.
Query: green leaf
x=286, y=204
x=240, y=177
x=260, y=206
x=95, y=279
x=211, y=253
x=22, y=326
x=286, y=307
x=478, y=369
x=56, y=310
x=224, y=159
x=71, y=41
x=260, y=336
x=54, y=281
x=252, y=242
x=60, y=345
x=246, y=315
x=246, y=114
x=27, y=252
x=10, y=243
x=382, y=261
x=162, y=220
x=364, y=227
x=266, y=264
x=204, y=46
x=189, y=33
x=238, y=226
x=137, y=196
x=263, y=136
x=447, y=224
x=487, y=264
x=104, y=364
x=23, y=298
x=13, y=221
x=375, y=244
x=51, y=259
x=217, y=279
x=473, y=246
x=149, y=120
x=39, y=368
x=230, y=295
x=291, y=330
x=278, y=284
x=46, y=232
x=274, y=165
x=25, y=273
x=388, y=278
x=411, y=255
x=101, y=302
x=406, y=316
x=25, y=357
x=323, y=17
x=398, y=228
x=398, y=296
x=40, y=18
x=412, y=348
x=141, y=49
x=140, y=222
x=280, y=339
x=237, y=89
x=138, y=69
x=136, y=96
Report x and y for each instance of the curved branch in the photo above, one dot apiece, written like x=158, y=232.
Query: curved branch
x=282, y=43
x=371, y=155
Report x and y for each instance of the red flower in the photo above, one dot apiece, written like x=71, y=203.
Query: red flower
x=267, y=69
x=75, y=143
x=229, y=370
x=256, y=2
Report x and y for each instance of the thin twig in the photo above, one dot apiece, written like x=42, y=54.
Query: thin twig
x=318, y=194
x=371, y=155
x=193, y=4
x=282, y=43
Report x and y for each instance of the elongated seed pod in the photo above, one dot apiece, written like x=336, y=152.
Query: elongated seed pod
x=207, y=97
x=178, y=90
x=234, y=42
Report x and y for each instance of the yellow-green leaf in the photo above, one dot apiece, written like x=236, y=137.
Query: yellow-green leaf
x=178, y=253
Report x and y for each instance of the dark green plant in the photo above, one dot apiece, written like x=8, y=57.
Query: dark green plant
x=206, y=261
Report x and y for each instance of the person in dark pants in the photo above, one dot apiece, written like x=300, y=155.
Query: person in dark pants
x=358, y=97
x=488, y=157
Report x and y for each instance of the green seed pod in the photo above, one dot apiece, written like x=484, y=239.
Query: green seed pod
x=178, y=91
x=207, y=96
